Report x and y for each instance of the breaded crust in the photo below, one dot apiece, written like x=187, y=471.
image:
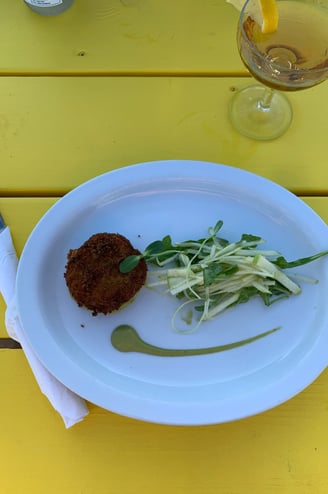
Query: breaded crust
x=92, y=273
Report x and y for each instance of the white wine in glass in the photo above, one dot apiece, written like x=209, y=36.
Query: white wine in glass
x=293, y=57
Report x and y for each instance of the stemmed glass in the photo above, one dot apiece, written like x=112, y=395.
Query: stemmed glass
x=294, y=57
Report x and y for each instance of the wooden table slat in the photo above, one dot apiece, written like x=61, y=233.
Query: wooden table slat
x=282, y=450
x=82, y=127
x=121, y=36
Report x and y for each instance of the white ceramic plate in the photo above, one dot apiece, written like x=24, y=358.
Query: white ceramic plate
x=183, y=198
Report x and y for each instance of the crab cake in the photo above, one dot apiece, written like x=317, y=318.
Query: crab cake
x=93, y=277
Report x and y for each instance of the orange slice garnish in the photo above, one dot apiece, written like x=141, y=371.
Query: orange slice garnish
x=270, y=16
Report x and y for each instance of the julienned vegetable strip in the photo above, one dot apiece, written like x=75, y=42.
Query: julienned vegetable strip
x=212, y=274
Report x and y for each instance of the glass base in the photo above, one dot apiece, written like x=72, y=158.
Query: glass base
x=254, y=116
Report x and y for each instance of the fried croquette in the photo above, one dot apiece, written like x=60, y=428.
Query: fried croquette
x=93, y=277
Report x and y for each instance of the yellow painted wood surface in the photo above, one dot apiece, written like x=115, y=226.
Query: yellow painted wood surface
x=57, y=132
x=283, y=450
x=120, y=36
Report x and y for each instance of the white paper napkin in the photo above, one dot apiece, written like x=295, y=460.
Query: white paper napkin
x=70, y=406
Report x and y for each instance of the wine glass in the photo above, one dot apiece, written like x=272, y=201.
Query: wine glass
x=294, y=57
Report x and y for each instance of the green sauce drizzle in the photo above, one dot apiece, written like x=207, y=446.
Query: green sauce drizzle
x=126, y=339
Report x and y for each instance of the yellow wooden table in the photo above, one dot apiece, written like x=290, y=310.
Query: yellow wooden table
x=105, y=85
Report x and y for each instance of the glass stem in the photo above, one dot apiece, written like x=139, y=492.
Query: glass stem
x=265, y=102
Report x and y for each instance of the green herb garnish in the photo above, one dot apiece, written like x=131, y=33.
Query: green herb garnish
x=217, y=274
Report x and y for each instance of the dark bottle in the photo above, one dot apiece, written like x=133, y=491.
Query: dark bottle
x=49, y=7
